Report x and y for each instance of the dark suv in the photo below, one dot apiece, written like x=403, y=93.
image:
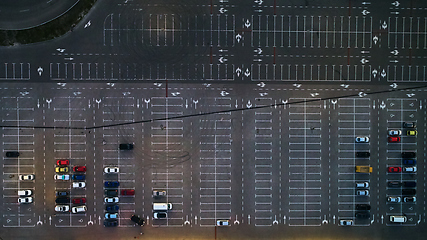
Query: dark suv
x=111, y=193
x=126, y=146
x=12, y=154
x=363, y=207
x=363, y=154
x=409, y=154
x=137, y=220
x=62, y=200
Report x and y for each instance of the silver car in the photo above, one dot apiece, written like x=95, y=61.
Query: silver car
x=362, y=139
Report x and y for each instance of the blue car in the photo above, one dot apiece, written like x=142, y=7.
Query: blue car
x=110, y=223
x=409, y=162
x=111, y=184
x=112, y=208
x=79, y=177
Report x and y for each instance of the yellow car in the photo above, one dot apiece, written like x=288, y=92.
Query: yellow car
x=411, y=132
x=61, y=169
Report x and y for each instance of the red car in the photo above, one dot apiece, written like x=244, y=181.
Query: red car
x=79, y=169
x=128, y=192
x=394, y=169
x=62, y=162
x=79, y=200
x=393, y=139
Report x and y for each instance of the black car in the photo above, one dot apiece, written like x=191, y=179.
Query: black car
x=61, y=193
x=111, y=193
x=160, y=215
x=112, y=208
x=110, y=223
x=409, y=191
x=126, y=146
x=394, y=184
x=409, y=154
x=137, y=220
x=363, y=154
x=363, y=215
x=62, y=200
x=363, y=207
x=12, y=154
x=410, y=184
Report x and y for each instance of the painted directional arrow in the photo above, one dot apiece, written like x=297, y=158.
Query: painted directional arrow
x=410, y=94
x=261, y=84
x=249, y=104
x=61, y=50
x=384, y=25
x=40, y=71
x=374, y=72
x=344, y=85
x=296, y=85
x=394, y=52
x=362, y=94
x=375, y=38
x=224, y=93
x=395, y=3
x=247, y=72
x=247, y=23
x=394, y=85
x=238, y=71
x=238, y=37
x=383, y=73
x=382, y=106
x=365, y=12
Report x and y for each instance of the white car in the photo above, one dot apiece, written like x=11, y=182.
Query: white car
x=79, y=184
x=224, y=222
x=111, y=199
x=26, y=177
x=362, y=192
x=111, y=215
x=111, y=169
x=362, y=184
x=79, y=209
x=346, y=222
x=394, y=132
x=409, y=199
x=62, y=177
x=410, y=169
x=25, y=193
x=362, y=139
x=393, y=199
x=62, y=208
x=25, y=200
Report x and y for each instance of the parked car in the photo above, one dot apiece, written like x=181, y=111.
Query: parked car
x=159, y=193
x=26, y=177
x=61, y=193
x=364, y=207
x=411, y=133
x=393, y=199
x=223, y=222
x=111, y=184
x=79, y=200
x=394, y=184
x=409, y=124
x=79, y=177
x=394, y=132
x=25, y=193
x=126, y=146
x=111, y=215
x=362, y=192
x=79, y=168
x=362, y=139
x=62, y=208
x=25, y=200
x=110, y=223
x=79, y=209
x=111, y=199
x=362, y=184
x=409, y=161
x=363, y=169
x=160, y=215
x=61, y=169
x=128, y=192
x=12, y=154
x=363, y=154
x=410, y=184
x=393, y=139
x=62, y=200
x=409, y=192
x=409, y=154
x=136, y=219
x=412, y=169
x=346, y=222
x=409, y=199
x=79, y=184
x=362, y=215
x=111, y=193
x=62, y=162
x=112, y=208
x=62, y=177
x=394, y=169
x=111, y=170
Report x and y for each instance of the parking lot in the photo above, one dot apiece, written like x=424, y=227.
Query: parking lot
x=212, y=167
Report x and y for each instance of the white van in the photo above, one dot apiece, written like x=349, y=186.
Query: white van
x=162, y=206
x=398, y=219
x=25, y=193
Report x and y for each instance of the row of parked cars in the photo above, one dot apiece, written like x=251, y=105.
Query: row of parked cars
x=63, y=196
x=24, y=195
